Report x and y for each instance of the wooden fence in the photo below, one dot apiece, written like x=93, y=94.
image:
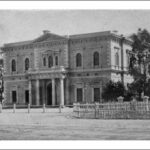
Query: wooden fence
x=114, y=110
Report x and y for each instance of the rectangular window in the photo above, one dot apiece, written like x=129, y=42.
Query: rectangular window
x=56, y=60
x=79, y=95
x=27, y=96
x=14, y=96
x=96, y=94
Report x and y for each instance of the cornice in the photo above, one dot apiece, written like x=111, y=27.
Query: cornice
x=36, y=45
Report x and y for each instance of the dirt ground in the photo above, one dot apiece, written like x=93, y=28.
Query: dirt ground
x=53, y=125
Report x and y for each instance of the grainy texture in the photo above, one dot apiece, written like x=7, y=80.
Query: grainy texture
x=113, y=110
x=62, y=126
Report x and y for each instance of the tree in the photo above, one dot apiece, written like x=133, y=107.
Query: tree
x=112, y=90
x=139, y=60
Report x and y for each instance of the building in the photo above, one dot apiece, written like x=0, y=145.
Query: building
x=1, y=77
x=54, y=69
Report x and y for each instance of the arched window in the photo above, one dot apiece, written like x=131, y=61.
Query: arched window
x=50, y=61
x=56, y=60
x=117, y=59
x=78, y=60
x=13, y=65
x=27, y=64
x=96, y=59
x=44, y=61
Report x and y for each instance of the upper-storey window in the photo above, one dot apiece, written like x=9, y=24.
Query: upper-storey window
x=78, y=60
x=44, y=61
x=128, y=58
x=27, y=63
x=96, y=59
x=50, y=61
x=13, y=65
x=117, y=59
x=56, y=60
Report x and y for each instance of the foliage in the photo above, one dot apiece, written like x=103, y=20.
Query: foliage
x=138, y=60
x=112, y=90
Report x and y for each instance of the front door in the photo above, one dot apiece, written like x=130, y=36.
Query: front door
x=49, y=94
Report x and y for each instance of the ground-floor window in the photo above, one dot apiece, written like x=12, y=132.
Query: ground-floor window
x=27, y=96
x=96, y=94
x=14, y=96
x=79, y=95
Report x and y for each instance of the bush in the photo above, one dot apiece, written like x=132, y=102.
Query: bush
x=112, y=90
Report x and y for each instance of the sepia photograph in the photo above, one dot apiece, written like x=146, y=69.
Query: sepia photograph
x=74, y=74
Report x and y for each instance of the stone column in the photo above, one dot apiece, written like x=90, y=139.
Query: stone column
x=62, y=91
x=37, y=92
x=53, y=91
x=67, y=91
x=43, y=93
x=101, y=93
x=30, y=96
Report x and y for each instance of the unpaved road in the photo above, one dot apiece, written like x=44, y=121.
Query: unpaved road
x=63, y=126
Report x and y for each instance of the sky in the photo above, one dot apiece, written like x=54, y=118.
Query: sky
x=21, y=25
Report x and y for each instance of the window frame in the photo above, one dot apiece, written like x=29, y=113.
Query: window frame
x=78, y=57
x=79, y=88
x=25, y=63
x=44, y=61
x=12, y=96
x=49, y=61
x=12, y=70
x=117, y=59
x=96, y=65
x=56, y=61
x=94, y=94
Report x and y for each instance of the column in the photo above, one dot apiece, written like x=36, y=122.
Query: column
x=67, y=92
x=37, y=92
x=53, y=91
x=43, y=93
x=30, y=96
x=101, y=93
x=62, y=91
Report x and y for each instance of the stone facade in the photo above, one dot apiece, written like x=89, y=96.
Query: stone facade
x=63, y=70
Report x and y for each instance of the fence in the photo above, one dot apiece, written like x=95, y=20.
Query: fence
x=29, y=107
x=114, y=110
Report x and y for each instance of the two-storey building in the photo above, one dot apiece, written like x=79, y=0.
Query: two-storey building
x=54, y=69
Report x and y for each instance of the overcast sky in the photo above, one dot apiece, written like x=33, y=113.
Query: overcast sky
x=22, y=25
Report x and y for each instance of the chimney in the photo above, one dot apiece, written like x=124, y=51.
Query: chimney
x=46, y=31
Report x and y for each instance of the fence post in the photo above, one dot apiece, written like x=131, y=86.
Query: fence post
x=43, y=108
x=0, y=107
x=28, y=108
x=14, y=107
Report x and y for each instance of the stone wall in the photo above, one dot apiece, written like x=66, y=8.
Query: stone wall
x=19, y=86
x=19, y=56
x=87, y=48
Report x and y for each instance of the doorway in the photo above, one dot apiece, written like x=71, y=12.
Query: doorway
x=14, y=96
x=27, y=96
x=49, y=94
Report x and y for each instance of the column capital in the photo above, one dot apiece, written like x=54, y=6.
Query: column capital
x=62, y=77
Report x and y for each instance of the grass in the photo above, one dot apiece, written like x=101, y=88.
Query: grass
x=53, y=125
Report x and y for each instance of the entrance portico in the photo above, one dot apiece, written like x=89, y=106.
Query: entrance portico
x=49, y=89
